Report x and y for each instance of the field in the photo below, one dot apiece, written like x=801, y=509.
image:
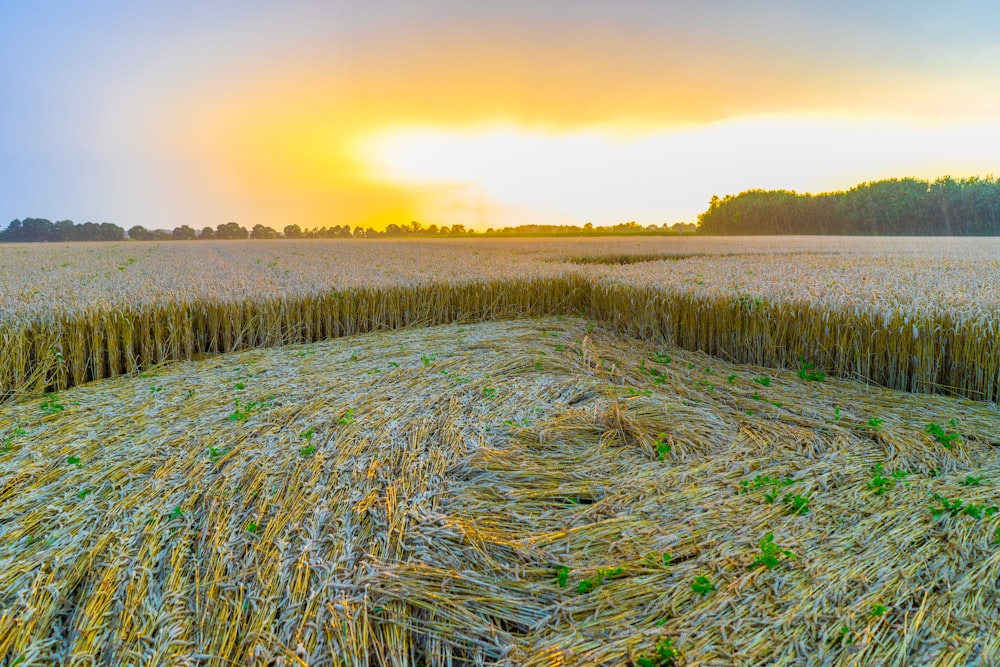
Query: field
x=546, y=452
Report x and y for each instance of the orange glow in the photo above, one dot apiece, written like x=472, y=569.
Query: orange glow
x=495, y=137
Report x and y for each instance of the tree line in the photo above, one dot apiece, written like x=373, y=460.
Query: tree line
x=899, y=206
x=40, y=230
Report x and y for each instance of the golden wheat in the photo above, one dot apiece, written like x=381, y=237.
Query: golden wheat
x=409, y=497
x=915, y=314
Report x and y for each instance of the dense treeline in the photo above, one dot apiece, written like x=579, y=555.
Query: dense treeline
x=40, y=230
x=906, y=206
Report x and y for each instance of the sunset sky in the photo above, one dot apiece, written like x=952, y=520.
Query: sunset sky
x=481, y=113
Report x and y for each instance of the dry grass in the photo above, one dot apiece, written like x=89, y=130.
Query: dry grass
x=181, y=516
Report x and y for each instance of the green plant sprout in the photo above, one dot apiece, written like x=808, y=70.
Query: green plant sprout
x=798, y=504
x=702, y=585
x=662, y=447
x=946, y=438
x=764, y=381
x=956, y=508
x=489, y=392
x=562, y=575
x=215, y=453
x=662, y=359
x=765, y=482
x=807, y=373
x=770, y=553
x=878, y=610
x=51, y=405
x=74, y=461
x=875, y=423
x=16, y=433
x=606, y=574
x=971, y=481
x=348, y=417
x=663, y=657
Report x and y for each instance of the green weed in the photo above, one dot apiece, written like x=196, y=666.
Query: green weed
x=875, y=423
x=946, y=438
x=770, y=484
x=663, y=657
x=770, y=553
x=807, y=373
x=662, y=447
x=51, y=404
x=215, y=453
x=607, y=574
x=702, y=585
x=956, y=508
x=797, y=504
x=13, y=435
x=764, y=381
x=348, y=418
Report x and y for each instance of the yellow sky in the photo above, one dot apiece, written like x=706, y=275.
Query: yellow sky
x=446, y=112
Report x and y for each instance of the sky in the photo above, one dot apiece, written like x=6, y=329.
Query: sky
x=486, y=114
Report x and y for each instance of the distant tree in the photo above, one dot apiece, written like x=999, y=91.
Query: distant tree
x=88, y=231
x=293, y=232
x=13, y=232
x=458, y=229
x=162, y=235
x=207, y=234
x=140, y=233
x=444, y=231
x=184, y=233
x=63, y=231
x=262, y=232
x=231, y=230
x=35, y=230
x=359, y=232
x=110, y=232
x=432, y=230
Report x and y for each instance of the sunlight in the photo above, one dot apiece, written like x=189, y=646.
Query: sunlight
x=602, y=174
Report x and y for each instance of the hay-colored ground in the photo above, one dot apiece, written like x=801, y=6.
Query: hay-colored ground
x=182, y=517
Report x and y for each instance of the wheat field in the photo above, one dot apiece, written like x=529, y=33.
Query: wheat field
x=530, y=492
x=546, y=452
x=913, y=314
